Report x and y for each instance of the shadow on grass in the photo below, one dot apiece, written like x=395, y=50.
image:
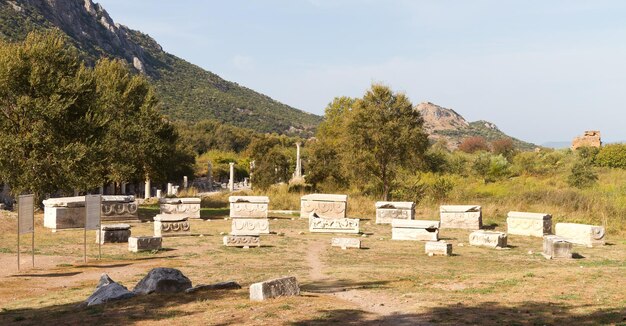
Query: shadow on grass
x=489, y=313
x=47, y=274
x=329, y=286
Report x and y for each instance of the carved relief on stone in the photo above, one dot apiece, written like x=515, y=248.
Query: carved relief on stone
x=461, y=217
x=171, y=225
x=387, y=211
x=250, y=226
x=242, y=241
x=248, y=206
x=338, y=225
x=189, y=206
x=331, y=206
x=491, y=239
x=581, y=234
x=529, y=224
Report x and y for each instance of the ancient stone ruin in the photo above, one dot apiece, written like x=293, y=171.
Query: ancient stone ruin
x=591, y=138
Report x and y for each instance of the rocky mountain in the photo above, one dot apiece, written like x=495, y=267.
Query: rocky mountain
x=188, y=92
x=446, y=124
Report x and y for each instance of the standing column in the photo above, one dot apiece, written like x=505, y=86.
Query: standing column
x=123, y=186
x=169, y=189
x=185, y=182
x=147, y=189
x=298, y=163
x=231, y=181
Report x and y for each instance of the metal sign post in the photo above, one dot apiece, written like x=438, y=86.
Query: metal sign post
x=25, y=223
x=92, y=221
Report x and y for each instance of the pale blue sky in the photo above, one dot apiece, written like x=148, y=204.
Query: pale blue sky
x=541, y=70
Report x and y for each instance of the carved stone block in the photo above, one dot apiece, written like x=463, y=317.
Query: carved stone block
x=136, y=244
x=69, y=212
x=440, y=248
x=338, y=225
x=491, y=239
x=581, y=234
x=119, y=208
x=389, y=210
x=529, y=224
x=345, y=243
x=188, y=206
x=418, y=230
x=555, y=247
x=329, y=206
x=244, y=241
x=250, y=226
x=461, y=217
x=248, y=206
x=168, y=225
x=113, y=233
x=280, y=287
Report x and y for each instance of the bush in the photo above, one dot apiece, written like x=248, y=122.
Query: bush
x=582, y=175
x=613, y=156
x=505, y=147
x=474, y=144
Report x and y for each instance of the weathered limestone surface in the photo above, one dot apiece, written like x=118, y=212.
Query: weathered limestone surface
x=250, y=226
x=529, y=224
x=581, y=234
x=440, y=248
x=248, y=206
x=339, y=225
x=415, y=230
x=189, y=206
x=345, y=243
x=491, y=239
x=555, y=247
x=389, y=210
x=113, y=233
x=330, y=206
x=280, y=287
x=591, y=138
x=136, y=244
x=167, y=225
x=461, y=217
x=69, y=212
x=163, y=280
x=242, y=241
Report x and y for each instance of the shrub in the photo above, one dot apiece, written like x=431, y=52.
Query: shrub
x=613, y=156
x=582, y=175
x=474, y=144
x=505, y=147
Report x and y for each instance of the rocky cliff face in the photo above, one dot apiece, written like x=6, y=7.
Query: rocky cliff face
x=438, y=118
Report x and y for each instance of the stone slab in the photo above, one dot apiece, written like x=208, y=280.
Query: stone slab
x=249, y=206
x=490, y=239
x=345, y=243
x=250, y=226
x=136, y=244
x=171, y=228
x=280, y=287
x=189, y=206
x=417, y=230
x=339, y=225
x=113, y=236
x=438, y=248
x=555, y=247
x=242, y=241
x=330, y=206
x=113, y=227
x=581, y=234
x=171, y=217
x=467, y=217
x=529, y=224
x=387, y=211
x=228, y=285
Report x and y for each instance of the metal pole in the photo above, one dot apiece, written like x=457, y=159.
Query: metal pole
x=85, y=243
x=18, y=242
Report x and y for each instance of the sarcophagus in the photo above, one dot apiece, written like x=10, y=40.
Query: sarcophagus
x=389, y=210
x=581, y=234
x=419, y=230
x=530, y=224
x=188, y=206
x=329, y=206
x=248, y=206
x=461, y=217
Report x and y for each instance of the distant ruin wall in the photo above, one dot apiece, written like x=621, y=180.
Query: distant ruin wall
x=591, y=138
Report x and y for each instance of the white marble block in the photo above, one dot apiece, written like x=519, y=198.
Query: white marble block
x=69, y=212
x=461, y=217
x=113, y=233
x=136, y=244
x=491, y=239
x=250, y=226
x=389, y=210
x=345, y=243
x=242, y=241
x=169, y=225
x=440, y=248
x=188, y=206
x=581, y=234
x=248, y=206
x=555, y=247
x=529, y=224
x=119, y=208
x=329, y=206
x=415, y=230
x=280, y=287
x=339, y=225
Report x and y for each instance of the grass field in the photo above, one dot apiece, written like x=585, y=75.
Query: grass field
x=388, y=282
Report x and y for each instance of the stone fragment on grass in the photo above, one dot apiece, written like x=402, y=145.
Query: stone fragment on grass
x=107, y=290
x=491, y=239
x=440, y=248
x=280, y=287
x=229, y=285
x=163, y=280
x=345, y=243
x=556, y=247
x=136, y=244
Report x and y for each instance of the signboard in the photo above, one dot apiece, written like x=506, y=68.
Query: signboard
x=93, y=209
x=25, y=214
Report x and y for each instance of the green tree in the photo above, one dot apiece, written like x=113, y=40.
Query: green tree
x=582, y=175
x=613, y=156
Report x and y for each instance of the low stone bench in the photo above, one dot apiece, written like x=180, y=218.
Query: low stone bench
x=113, y=233
x=280, y=287
x=242, y=241
x=345, y=243
x=136, y=244
x=329, y=206
x=491, y=239
x=418, y=230
x=581, y=234
x=555, y=247
x=461, y=217
x=318, y=224
x=389, y=210
x=249, y=206
x=250, y=226
x=438, y=248
x=168, y=225
x=189, y=206
x=529, y=224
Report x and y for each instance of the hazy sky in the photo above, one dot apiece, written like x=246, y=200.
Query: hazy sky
x=540, y=70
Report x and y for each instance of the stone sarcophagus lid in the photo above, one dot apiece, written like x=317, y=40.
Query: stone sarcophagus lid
x=169, y=225
x=581, y=234
x=248, y=206
x=319, y=224
x=491, y=239
x=69, y=212
x=461, y=217
x=389, y=210
x=250, y=226
x=529, y=224
x=137, y=244
x=188, y=206
x=345, y=243
x=242, y=241
x=418, y=230
x=438, y=248
x=555, y=247
x=113, y=233
x=329, y=206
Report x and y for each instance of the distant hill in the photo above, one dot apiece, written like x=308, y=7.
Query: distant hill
x=447, y=124
x=188, y=92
